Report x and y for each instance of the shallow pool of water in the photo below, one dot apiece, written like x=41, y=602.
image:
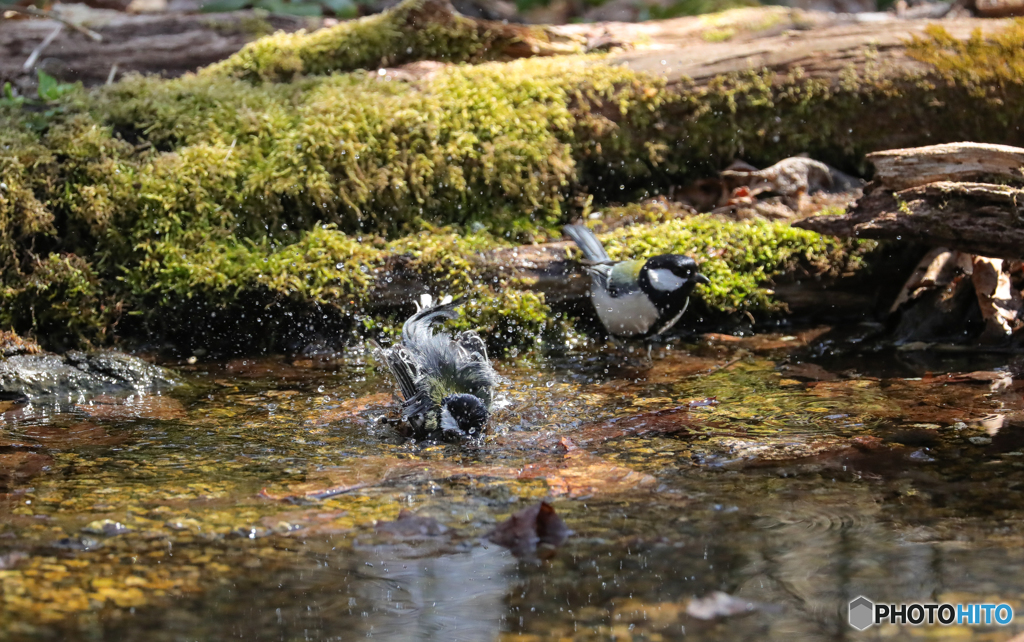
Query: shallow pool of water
x=247, y=503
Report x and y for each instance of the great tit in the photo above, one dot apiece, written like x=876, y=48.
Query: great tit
x=636, y=299
x=447, y=383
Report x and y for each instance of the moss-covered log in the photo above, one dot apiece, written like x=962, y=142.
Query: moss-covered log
x=414, y=30
x=213, y=191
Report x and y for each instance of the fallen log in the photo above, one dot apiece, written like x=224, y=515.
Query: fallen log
x=977, y=218
x=899, y=169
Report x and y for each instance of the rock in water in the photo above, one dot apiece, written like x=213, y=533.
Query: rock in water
x=75, y=373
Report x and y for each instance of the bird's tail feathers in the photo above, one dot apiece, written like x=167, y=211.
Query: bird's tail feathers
x=592, y=249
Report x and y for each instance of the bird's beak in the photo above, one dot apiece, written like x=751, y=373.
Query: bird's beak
x=700, y=278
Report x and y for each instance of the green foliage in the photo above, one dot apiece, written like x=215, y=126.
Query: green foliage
x=50, y=88
x=8, y=99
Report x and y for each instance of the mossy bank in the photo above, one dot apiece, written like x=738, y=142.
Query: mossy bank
x=152, y=207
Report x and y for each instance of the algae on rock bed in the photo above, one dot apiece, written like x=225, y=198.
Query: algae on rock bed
x=211, y=188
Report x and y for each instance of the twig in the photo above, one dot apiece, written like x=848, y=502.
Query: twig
x=32, y=11
x=32, y=57
x=112, y=74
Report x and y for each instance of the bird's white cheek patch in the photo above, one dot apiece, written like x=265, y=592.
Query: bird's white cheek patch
x=664, y=280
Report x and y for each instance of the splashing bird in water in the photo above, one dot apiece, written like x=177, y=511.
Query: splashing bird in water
x=637, y=299
x=447, y=382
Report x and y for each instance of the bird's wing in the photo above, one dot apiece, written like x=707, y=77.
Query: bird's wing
x=623, y=278
x=472, y=343
x=403, y=368
x=587, y=242
x=409, y=377
x=599, y=274
x=418, y=327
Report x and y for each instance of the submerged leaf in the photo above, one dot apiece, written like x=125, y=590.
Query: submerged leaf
x=719, y=604
x=534, y=532
x=409, y=524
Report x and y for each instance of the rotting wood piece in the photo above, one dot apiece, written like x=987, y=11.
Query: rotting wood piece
x=997, y=8
x=899, y=169
x=167, y=44
x=977, y=218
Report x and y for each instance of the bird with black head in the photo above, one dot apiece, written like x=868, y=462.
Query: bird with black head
x=447, y=382
x=637, y=299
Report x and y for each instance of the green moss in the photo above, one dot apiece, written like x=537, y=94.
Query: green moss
x=413, y=30
x=985, y=65
x=62, y=300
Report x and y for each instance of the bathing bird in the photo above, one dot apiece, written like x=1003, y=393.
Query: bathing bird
x=637, y=299
x=447, y=382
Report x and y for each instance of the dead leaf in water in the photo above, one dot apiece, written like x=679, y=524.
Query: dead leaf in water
x=137, y=406
x=306, y=522
x=337, y=480
x=16, y=467
x=351, y=408
x=409, y=524
x=534, y=532
x=575, y=474
x=663, y=422
x=74, y=436
x=580, y=474
x=807, y=371
x=719, y=604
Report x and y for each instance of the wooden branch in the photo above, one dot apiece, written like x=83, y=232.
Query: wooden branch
x=977, y=218
x=31, y=60
x=49, y=15
x=163, y=44
x=900, y=169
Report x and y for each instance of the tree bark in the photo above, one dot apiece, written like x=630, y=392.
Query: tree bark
x=899, y=169
x=977, y=218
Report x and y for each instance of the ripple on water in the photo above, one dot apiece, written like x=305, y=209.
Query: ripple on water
x=656, y=522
